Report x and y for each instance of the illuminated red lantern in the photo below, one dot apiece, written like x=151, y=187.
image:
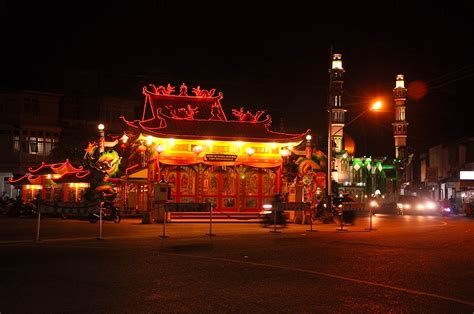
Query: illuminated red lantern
x=141, y=148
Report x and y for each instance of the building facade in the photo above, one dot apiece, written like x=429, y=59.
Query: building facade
x=188, y=141
x=446, y=169
x=37, y=127
x=29, y=130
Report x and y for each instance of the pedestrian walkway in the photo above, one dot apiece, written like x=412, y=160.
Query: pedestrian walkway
x=54, y=229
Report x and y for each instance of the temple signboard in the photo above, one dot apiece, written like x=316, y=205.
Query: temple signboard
x=220, y=157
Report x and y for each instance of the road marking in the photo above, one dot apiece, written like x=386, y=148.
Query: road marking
x=365, y=282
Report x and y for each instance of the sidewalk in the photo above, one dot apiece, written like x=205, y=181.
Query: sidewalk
x=53, y=229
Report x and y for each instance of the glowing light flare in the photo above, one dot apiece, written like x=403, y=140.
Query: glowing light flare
x=124, y=138
x=284, y=152
x=377, y=106
x=250, y=151
x=417, y=90
x=101, y=127
x=308, y=137
x=160, y=148
x=420, y=206
x=34, y=187
x=197, y=149
x=141, y=148
x=430, y=205
x=149, y=140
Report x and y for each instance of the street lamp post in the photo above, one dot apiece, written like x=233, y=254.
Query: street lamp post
x=373, y=205
x=101, y=128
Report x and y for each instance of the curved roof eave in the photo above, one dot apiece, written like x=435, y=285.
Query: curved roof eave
x=293, y=138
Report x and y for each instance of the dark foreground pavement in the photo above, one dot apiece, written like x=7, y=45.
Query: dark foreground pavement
x=408, y=265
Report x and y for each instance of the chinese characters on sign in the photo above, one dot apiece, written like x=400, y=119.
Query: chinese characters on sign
x=220, y=157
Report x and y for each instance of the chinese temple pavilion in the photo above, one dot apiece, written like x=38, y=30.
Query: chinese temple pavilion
x=188, y=141
x=53, y=182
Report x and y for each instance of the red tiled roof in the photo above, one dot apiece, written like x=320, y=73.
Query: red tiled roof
x=216, y=130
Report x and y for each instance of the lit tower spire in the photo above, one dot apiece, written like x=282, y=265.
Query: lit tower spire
x=400, y=126
x=337, y=116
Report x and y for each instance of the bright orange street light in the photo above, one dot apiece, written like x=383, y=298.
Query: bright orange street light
x=377, y=106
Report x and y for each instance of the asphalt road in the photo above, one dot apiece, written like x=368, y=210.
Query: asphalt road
x=409, y=264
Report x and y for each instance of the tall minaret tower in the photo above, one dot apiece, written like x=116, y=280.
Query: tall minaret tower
x=400, y=126
x=337, y=112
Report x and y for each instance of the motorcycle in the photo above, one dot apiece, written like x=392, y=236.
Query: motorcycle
x=445, y=211
x=109, y=213
x=16, y=208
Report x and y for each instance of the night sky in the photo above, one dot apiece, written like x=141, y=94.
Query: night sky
x=261, y=56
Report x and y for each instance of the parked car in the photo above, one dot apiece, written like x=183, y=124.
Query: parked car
x=410, y=204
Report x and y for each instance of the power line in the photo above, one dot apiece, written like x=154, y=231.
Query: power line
x=451, y=81
x=450, y=74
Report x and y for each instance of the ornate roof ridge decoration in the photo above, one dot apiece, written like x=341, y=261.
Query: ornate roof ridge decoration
x=160, y=117
x=78, y=174
x=72, y=177
x=57, y=168
x=11, y=180
x=248, y=116
x=151, y=89
x=167, y=113
x=26, y=179
x=203, y=105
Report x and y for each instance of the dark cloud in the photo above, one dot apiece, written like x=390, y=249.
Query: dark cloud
x=261, y=55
